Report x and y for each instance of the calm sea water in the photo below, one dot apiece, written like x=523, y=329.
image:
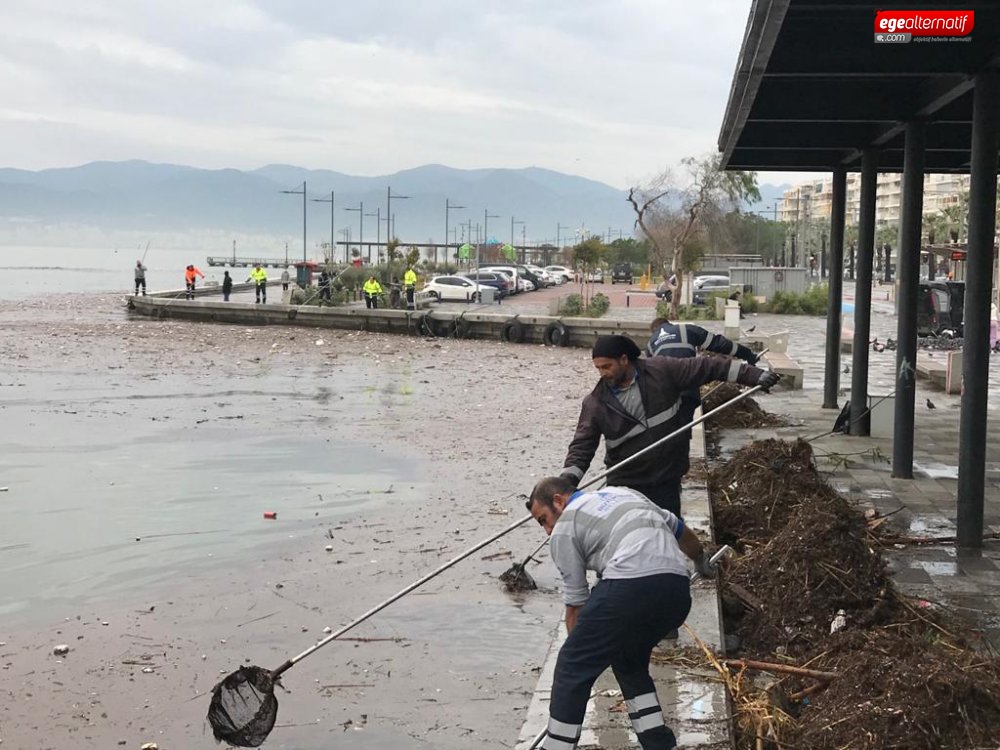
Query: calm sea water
x=33, y=271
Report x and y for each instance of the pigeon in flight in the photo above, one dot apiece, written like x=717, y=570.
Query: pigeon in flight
x=930, y=404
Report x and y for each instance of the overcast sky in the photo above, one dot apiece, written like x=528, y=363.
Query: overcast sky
x=613, y=90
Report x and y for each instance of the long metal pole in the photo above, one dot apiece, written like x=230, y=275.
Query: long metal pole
x=478, y=546
x=304, y=221
x=978, y=283
x=834, y=318
x=333, y=236
x=445, y=235
x=908, y=263
x=863, y=292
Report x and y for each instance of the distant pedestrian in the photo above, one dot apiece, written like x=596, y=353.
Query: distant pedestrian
x=324, y=285
x=285, y=278
x=259, y=277
x=410, y=285
x=191, y=274
x=140, y=277
x=227, y=286
x=372, y=289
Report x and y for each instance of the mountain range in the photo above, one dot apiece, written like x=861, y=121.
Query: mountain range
x=139, y=195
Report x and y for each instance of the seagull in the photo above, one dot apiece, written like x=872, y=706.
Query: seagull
x=878, y=347
x=930, y=404
x=751, y=329
x=847, y=369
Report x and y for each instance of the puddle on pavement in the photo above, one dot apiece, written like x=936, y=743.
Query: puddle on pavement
x=937, y=568
x=933, y=470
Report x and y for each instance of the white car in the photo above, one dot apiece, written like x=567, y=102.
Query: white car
x=596, y=275
x=517, y=283
x=546, y=278
x=454, y=289
x=565, y=273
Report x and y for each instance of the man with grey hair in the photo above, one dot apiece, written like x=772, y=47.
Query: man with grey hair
x=638, y=551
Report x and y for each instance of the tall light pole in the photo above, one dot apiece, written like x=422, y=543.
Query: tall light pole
x=378, y=231
x=512, y=223
x=333, y=241
x=447, y=207
x=303, y=192
x=486, y=235
x=361, y=229
x=388, y=211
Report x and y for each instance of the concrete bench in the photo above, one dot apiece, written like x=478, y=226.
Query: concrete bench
x=943, y=369
x=787, y=367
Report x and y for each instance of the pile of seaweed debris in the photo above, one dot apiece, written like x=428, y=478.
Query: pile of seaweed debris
x=809, y=588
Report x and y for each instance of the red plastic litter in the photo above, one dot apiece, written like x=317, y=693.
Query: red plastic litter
x=271, y=515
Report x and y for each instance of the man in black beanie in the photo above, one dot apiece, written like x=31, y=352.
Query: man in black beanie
x=637, y=402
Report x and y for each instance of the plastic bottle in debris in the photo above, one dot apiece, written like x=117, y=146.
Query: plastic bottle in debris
x=839, y=622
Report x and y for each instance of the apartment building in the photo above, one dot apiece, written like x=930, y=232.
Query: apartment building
x=813, y=200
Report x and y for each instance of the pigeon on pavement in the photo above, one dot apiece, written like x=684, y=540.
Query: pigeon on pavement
x=930, y=404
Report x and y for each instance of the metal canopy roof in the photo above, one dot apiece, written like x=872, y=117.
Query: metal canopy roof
x=812, y=88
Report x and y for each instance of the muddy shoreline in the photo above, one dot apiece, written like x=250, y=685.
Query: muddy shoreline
x=423, y=449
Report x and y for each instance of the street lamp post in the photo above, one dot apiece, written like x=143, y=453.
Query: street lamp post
x=447, y=207
x=333, y=241
x=512, y=223
x=388, y=211
x=303, y=192
x=361, y=229
x=378, y=232
x=486, y=235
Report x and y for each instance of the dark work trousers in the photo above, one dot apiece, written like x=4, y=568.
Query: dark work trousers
x=371, y=301
x=225, y=295
x=142, y=283
x=410, y=292
x=190, y=290
x=618, y=627
x=261, y=290
x=666, y=494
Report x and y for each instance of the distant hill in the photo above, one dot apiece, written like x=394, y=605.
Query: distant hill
x=146, y=197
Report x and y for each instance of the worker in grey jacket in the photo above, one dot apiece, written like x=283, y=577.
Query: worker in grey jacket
x=140, y=277
x=638, y=551
x=637, y=402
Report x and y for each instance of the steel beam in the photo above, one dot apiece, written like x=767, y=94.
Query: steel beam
x=834, y=317
x=863, y=293
x=908, y=267
x=978, y=285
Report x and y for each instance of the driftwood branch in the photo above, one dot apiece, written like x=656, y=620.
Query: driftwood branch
x=780, y=668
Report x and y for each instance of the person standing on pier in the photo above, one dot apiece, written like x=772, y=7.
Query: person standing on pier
x=372, y=290
x=285, y=278
x=191, y=273
x=410, y=285
x=140, y=277
x=227, y=286
x=259, y=277
x=324, y=285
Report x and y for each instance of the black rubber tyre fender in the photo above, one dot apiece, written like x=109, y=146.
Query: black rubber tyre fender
x=512, y=332
x=462, y=328
x=555, y=334
x=292, y=314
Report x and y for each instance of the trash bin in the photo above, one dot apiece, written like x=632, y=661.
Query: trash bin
x=303, y=273
x=486, y=295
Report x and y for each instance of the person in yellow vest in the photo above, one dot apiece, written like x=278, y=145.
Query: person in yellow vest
x=372, y=290
x=259, y=277
x=410, y=285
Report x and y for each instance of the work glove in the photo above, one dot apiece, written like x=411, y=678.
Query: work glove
x=573, y=479
x=705, y=567
x=768, y=379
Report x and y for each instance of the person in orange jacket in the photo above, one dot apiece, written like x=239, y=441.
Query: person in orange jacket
x=190, y=274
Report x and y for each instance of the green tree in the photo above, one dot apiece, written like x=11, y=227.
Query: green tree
x=681, y=234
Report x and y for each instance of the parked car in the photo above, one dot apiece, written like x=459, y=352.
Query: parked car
x=453, y=289
x=940, y=308
x=523, y=272
x=566, y=273
x=596, y=275
x=517, y=284
x=542, y=275
x=706, y=287
x=621, y=272
x=496, y=280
